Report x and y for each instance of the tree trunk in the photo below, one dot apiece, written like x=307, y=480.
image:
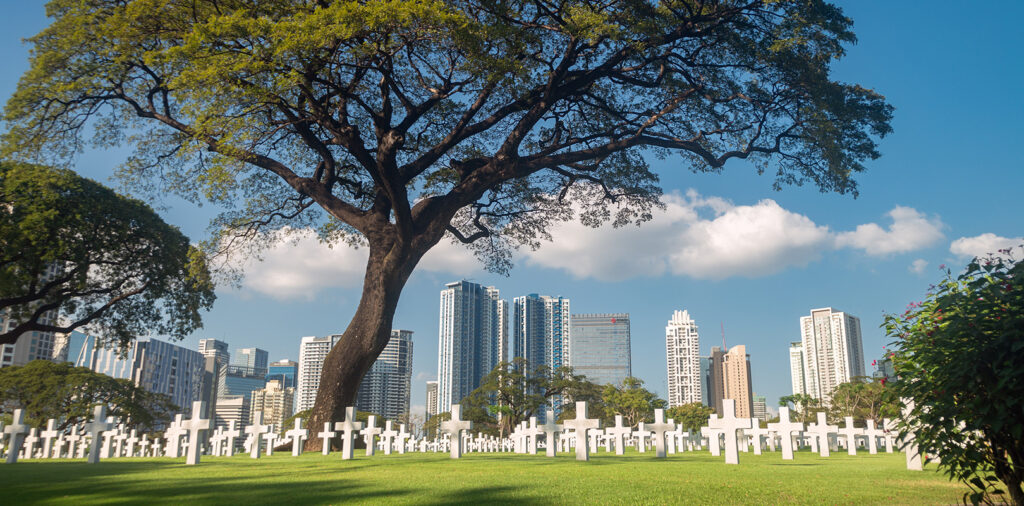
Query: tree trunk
x=387, y=271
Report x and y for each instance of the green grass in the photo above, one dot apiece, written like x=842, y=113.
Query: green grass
x=432, y=478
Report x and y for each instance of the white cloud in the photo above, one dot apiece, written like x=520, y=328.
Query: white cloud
x=918, y=266
x=982, y=245
x=298, y=265
x=910, y=230
x=426, y=376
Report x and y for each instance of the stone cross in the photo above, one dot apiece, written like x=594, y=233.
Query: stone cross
x=173, y=434
x=144, y=445
x=641, y=437
x=108, y=438
x=297, y=434
x=387, y=436
x=850, y=433
x=73, y=439
x=271, y=437
x=196, y=427
x=551, y=430
x=454, y=428
x=119, y=438
x=229, y=438
x=96, y=428
x=580, y=425
x=785, y=429
x=729, y=425
x=670, y=438
x=889, y=426
x=872, y=433
x=714, y=438
x=370, y=434
x=30, y=443
x=132, y=440
x=217, y=442
x=401, y=437
x=256, y=431
x=756, y=434
x=348, y=429
x=48, y=436
x=532, y=434
x=327, y=435
x=659, y=428
x=820, y=432
x=594, y=435
x=619, y=433
x=909, y=440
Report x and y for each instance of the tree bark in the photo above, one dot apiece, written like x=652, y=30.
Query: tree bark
x=387, y=271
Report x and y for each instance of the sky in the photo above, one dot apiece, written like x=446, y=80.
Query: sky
x=737, y=255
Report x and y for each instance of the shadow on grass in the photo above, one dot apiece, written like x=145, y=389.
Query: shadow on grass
x=485, y=495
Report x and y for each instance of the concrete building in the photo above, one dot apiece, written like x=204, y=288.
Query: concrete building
x=431, y=398
x=231, y=408
x=285, y=371
x=312, y=353
x=387, y=385
x=599, y=347
x=32, y=345
x=541, y=330
x=760, y=408
x=216, y=349
x=884, y=370
x=682, y=350
x=274, y=401
x=472, y=339
x=796, y=368
x=215, y=363
x=713, y=377
x=253, y=358
x=736, y=370
x=832, y=351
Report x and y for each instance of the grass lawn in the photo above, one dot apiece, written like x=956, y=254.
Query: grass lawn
x=432, y=478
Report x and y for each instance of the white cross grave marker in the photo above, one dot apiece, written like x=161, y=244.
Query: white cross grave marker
x=580, y=425
x=551, y=430
x=785, y=429
x=297, y=435
x=850, y=433
x=348, y=429
x=872, y=433
x=173, y=434
x=659, y=428
x=454, y=428
x=326, y=435
x=820, y=432
x=387, y=436
x=256, y=431
x=48, y=436
x=369, y=434
x=29, y=446
x=729, y=425
x=229, y=438
x=619, y=433
x=909, y=440
x=96, y=428
x=196, y=427
x=132, y=440
x=401, y=437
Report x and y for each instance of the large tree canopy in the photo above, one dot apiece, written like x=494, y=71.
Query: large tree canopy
x=72, y=248
x=398, y=122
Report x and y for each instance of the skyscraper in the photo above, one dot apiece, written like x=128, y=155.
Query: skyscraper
x=760, y=408
x=431, y=398
x=713, y=378
x=541, y=330
x=682, y=346
x=254, y=358
x=471, y=339
x=599, y=347
x=274, y=401
x=284, y=371
x=31, y=345
x=736, y=369
x=156, y=366
x=312, y=353
x=215, y=362
x=386, y=387
x=216, y=349
x=796, y=367
x=832, y=351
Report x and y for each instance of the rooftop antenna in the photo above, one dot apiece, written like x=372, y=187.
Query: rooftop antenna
x=723, y=336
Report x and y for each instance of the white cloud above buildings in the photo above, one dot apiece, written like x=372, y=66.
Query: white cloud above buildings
x=694, y=236
x=983, y=245
x=918, y=266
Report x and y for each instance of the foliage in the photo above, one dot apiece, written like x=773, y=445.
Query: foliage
x=67, y=394
x=863, y=398
x=433, y=424
x=289, y=423
x=514, y=391
x=631, y=400
x=692, y=416
x=805, y=407
x=102, y=261
x=958, y=356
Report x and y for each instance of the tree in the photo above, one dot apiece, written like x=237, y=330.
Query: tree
x=99, y=260
x=396, y=124
x=804, y=407
x=958, y=358
x=692, y=416
x=863, y=398
x=432, y=427
x=67, y=394
x=631, y=400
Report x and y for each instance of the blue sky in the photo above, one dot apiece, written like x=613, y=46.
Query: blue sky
x=728, y=249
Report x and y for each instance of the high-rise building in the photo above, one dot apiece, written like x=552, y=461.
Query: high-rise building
x=541, y=330
x=72, y=347
x=231, y=408
x=156, y=366
x=274, y=401
x=736, y=369
x=431, y=398
x=705, y=383
x=682, y=346
x=216, y=349
x=796, y=368
x=760, y=408
x=284, y=371
x=253, y=358
x=31, y=345
x=216, y=360
x=599, y=347
x=471, y=339
x=386, y=386
x=832, y=351
x=884, y=370
x=312, y=353
x=713, y=378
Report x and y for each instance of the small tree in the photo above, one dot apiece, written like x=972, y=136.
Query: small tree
x=631, y=400
x=959, y=356
x=803, y=406
x=71, y=246
x=863, y=398
x=67, y=394
x=691, y=416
